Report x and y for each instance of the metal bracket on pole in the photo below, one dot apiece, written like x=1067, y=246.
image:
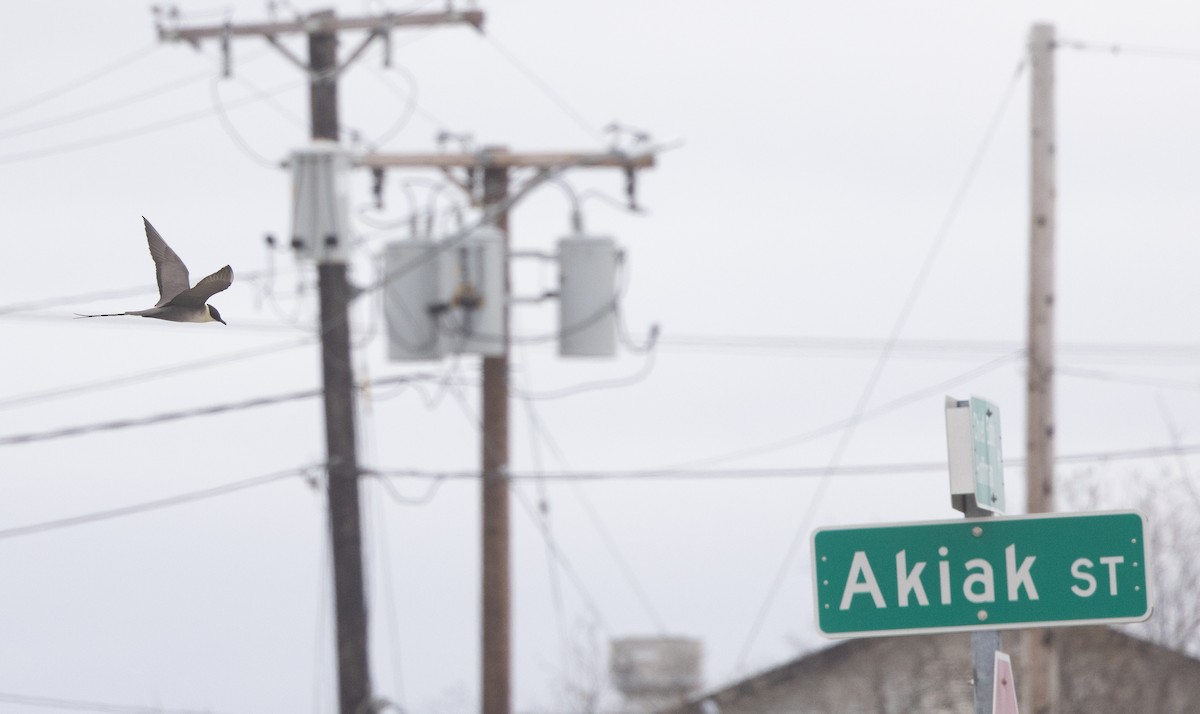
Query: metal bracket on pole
x=287, y=53
x=226, y=60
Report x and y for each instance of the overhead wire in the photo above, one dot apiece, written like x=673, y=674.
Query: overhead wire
x=926, y=348
x=153, y=505
x=560, y=556
x=637, y=377
x=606, y=537
x=61, y=703
x=231, y=131
x=553, y=95
x=149, y=374
x=754, y=473
x=82, y=81
x=552, y=570
x=840, y=425
x=135, y=132
x=1115, y=49
x=1177, y=450
x=898, y=325
x=410, y=105
x=133, y=422
x=379, y=552
x=76, y=298
x=1132, y=379
x=322, y=671
x=112, y=105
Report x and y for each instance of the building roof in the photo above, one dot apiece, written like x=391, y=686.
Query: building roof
x=1103, y=670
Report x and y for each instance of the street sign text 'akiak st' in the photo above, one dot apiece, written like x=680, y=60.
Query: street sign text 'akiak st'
x=981, y=573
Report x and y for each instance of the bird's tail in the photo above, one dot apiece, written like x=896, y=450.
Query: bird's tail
x=109, y=314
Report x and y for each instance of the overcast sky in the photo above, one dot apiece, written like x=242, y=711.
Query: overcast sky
x=818, y=149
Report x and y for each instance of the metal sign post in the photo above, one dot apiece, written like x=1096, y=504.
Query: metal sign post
x=976, y=464
x=986, y=572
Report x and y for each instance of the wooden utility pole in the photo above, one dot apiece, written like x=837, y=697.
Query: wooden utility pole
x=496, y=675
x=341, y=487
x=345, y=529
x=1041, y=656
x=495, y=162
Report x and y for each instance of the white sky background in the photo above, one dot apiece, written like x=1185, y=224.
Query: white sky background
x=824, y=144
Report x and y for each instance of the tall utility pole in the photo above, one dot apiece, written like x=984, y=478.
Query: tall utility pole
x=345, y=530
x=341, y=487
x=496, y=675
x=496, y=163
x=1041, y=654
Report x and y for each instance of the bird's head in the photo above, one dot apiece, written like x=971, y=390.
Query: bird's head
x=212, y=312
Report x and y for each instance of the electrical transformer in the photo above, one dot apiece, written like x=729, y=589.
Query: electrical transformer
x=410, y=299
x=471, y=289
x=587, y=310
x=320, y=202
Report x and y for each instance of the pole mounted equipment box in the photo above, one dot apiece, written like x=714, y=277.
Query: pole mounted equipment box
x=587, y=296
x=974, y=453
x=320, y=202
x=471, y=277
x=410, y=298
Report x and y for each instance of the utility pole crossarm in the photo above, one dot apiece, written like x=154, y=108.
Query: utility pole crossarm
x=319, y=24
x=504, y=159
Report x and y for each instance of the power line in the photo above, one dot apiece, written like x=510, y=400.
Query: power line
x=545, y=88
x=185, y=413
x=231, y=131
x=617, y=383
x=109, y=106
x=542, y=526
x=552, y=570
x=563, y=562
x=134, y=132
x=146, y=375
x=924, y=348
x=753, y=473
x=1115, y=49
x=154, y=505
x=42, y=303
x=242, y=326
x=1134, y=379
x=842, y=424
x=868, y=390
x=80, y=705
x=405, y=115
x=79, y=82
x=539, y=427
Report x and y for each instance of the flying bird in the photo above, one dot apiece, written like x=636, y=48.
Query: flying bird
x=177, y=301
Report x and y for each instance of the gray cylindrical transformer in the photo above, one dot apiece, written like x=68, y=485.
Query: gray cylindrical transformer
x=587, y=309
x=411, y=290
x=472, y=287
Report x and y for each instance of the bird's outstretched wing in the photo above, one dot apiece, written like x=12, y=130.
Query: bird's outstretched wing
x=199, y=294
x=172, y=273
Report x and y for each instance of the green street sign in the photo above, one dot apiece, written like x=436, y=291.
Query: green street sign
x=981, y=574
